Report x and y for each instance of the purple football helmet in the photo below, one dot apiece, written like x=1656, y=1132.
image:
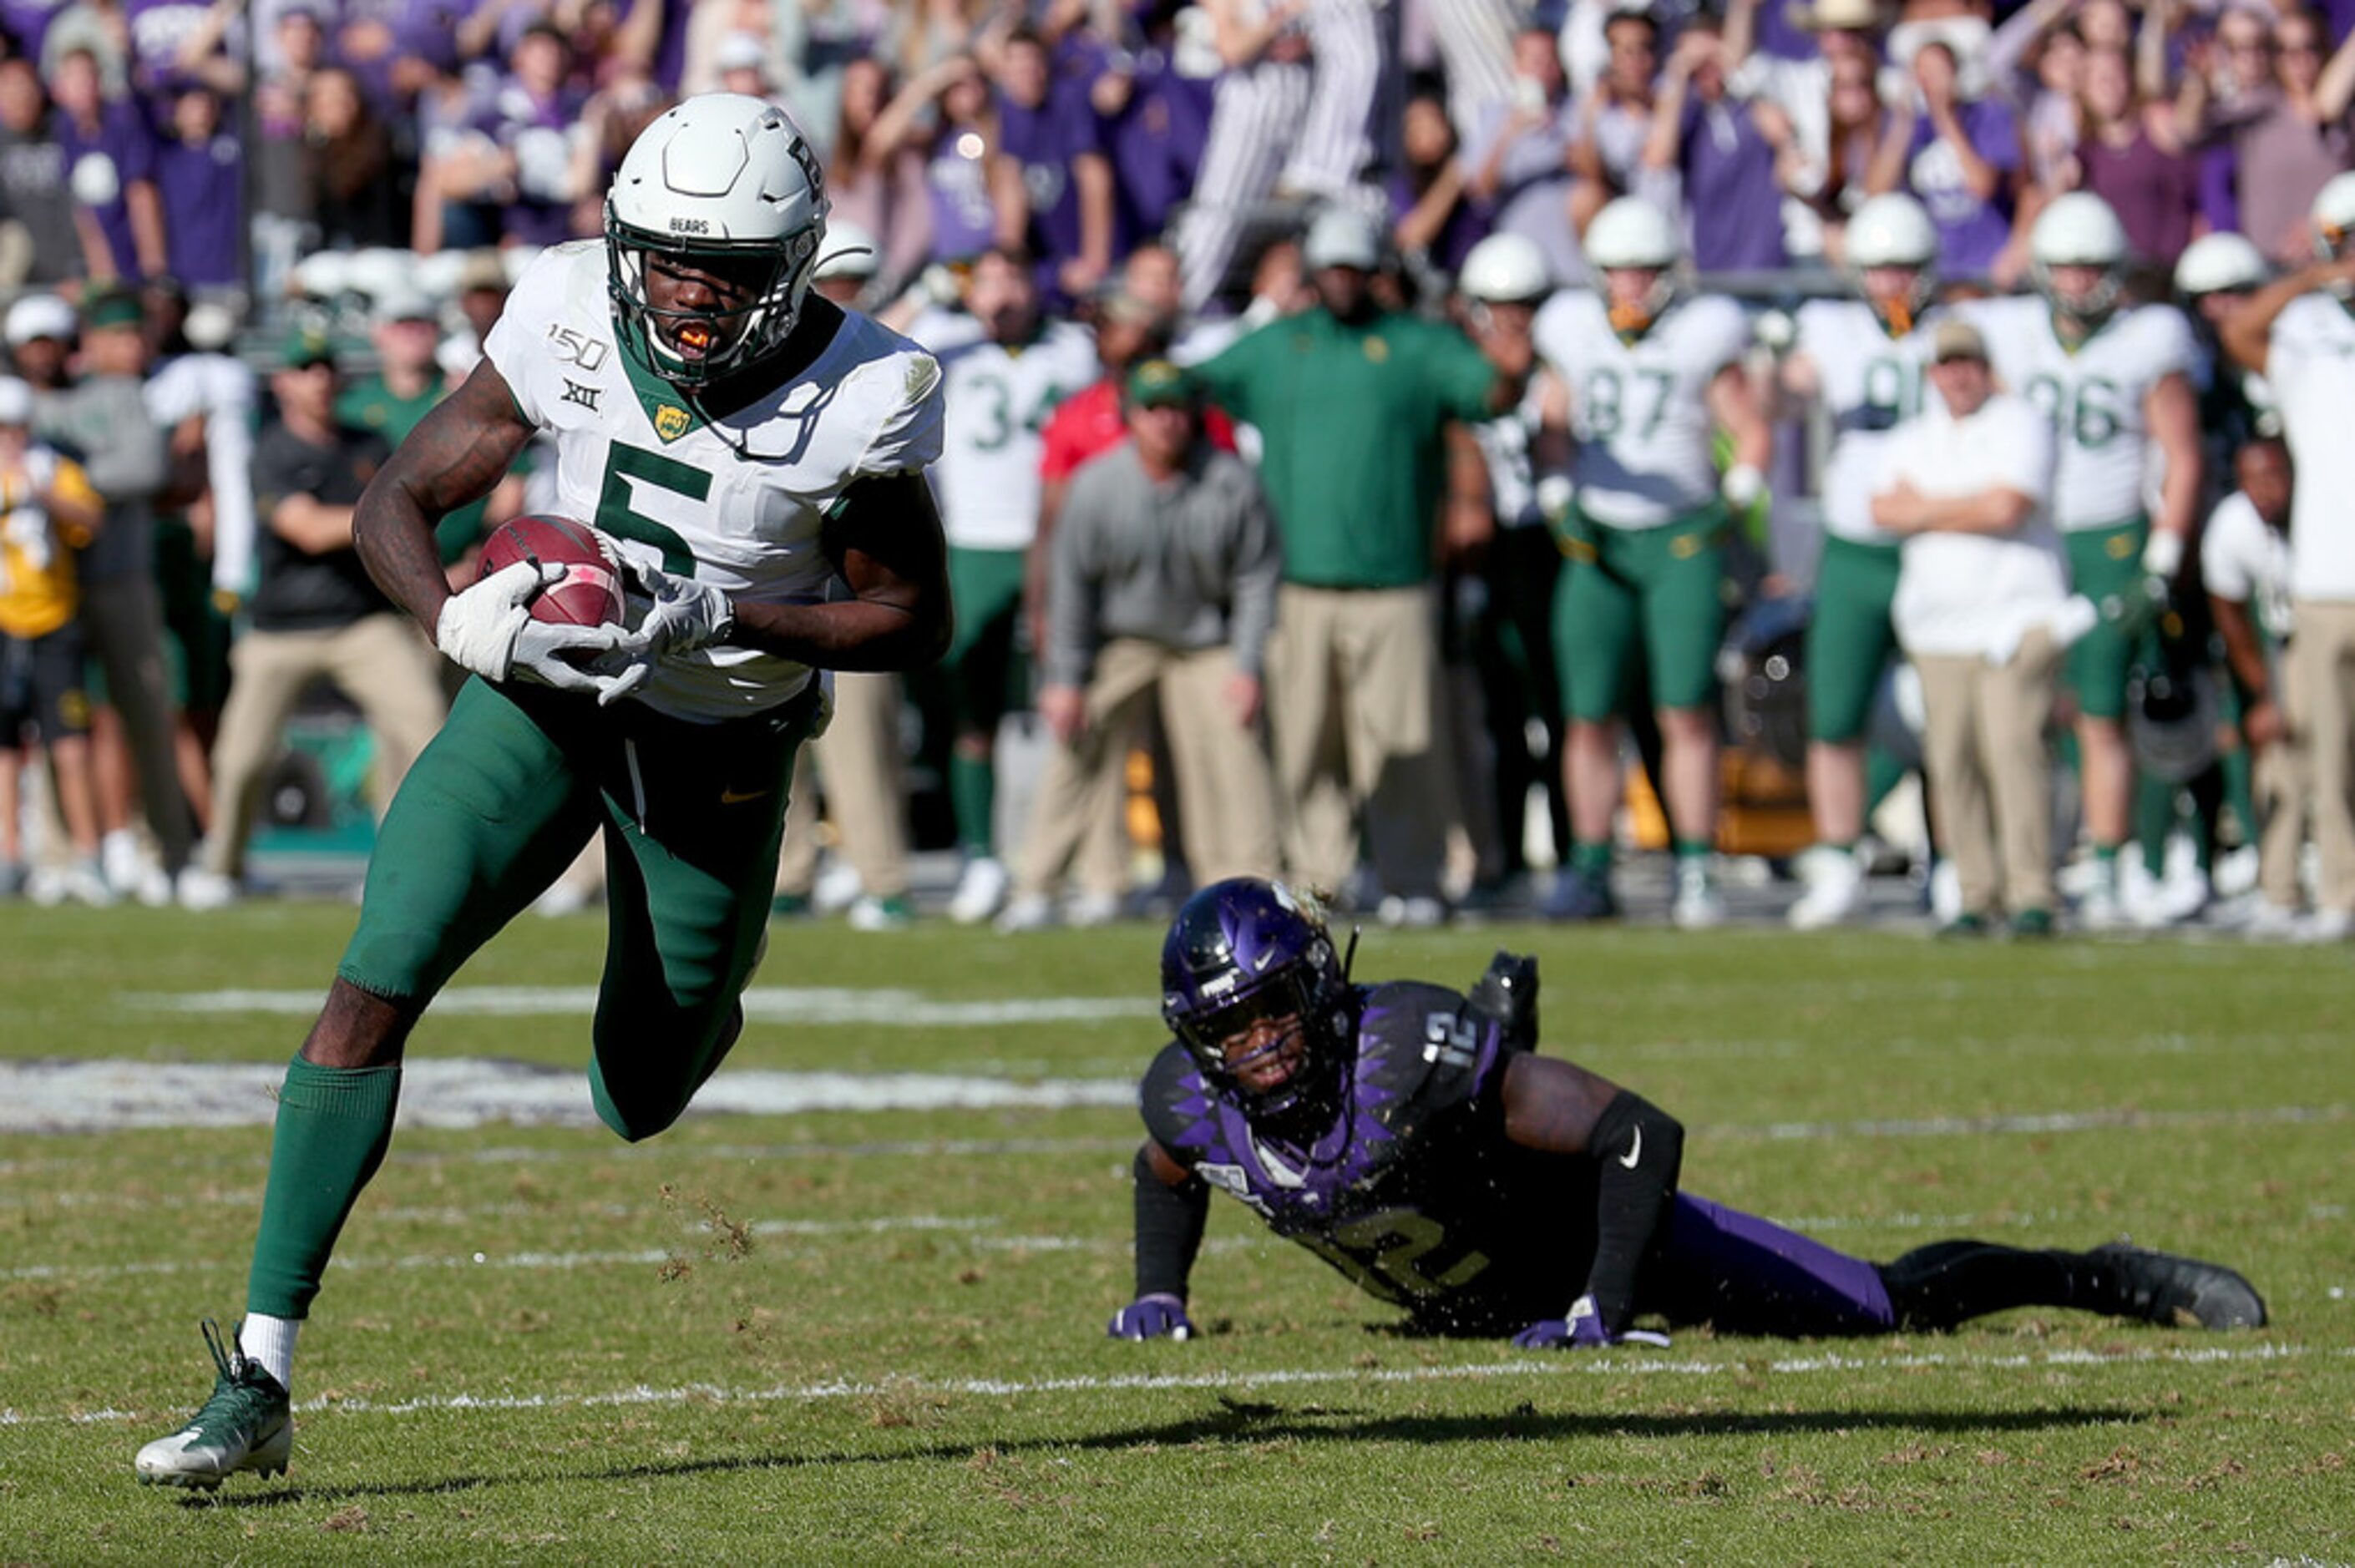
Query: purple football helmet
x=1244, y=950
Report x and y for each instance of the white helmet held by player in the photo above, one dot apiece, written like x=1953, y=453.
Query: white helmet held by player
x=724, y=185
x=1505, y=269
x=2334, y=216
x=1890, y=234
x=2079, y=230
x=1632, y=235
x=2220, y=263
x=849, y=251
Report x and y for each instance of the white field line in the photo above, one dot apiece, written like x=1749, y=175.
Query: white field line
x=803, y=1006
x=1827, y=1363
x=688, y=1243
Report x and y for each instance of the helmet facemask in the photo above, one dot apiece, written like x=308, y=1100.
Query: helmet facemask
x=772, y=275
x=1249, y=980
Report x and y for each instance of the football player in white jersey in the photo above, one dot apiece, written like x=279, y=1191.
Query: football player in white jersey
x=756, y=456
x=2114, y=379
x=1003, y=370
x=1653, y=373
x=1863, y=358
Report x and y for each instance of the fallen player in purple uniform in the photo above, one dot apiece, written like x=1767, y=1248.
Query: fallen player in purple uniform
x=1412, y=1137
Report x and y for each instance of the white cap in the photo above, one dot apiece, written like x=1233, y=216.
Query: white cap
x=741, y=51
x=15, y=402
x=1342, y=236
x=404, y=303
x=40, y=315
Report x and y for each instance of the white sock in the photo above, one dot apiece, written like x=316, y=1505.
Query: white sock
x=271, y=1341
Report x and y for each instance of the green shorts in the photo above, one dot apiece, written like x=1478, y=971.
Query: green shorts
x=1657, y=590
x=984, y=667
x=2102, y=562
x=509, y=793
x=1849, y=638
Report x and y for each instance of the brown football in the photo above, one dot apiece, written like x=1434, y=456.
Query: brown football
x=590, y=591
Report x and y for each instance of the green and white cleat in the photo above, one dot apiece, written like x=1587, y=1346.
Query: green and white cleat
x=247, y=1425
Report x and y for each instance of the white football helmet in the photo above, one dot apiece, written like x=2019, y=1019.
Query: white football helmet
x=1631, y=234
x=1505, y=269
x=724, y=184
x=1894, y=230
x=2334, y=214
x=2079, y=230
x=849, y=251
x=2219, y=264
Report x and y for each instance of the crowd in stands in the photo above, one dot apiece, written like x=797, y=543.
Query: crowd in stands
x=1416, y=611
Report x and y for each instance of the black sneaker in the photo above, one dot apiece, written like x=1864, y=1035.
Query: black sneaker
x=2180, y=1292
x=247, y=1425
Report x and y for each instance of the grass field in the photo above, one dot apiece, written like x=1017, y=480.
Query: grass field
x=876, y=1336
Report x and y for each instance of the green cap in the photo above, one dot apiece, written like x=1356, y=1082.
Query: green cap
x=1158, y=384
x=111, y=307
x=307, y=345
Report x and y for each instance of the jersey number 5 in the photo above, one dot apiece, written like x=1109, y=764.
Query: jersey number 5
x=617, y=512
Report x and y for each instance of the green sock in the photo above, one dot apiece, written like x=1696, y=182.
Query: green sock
x=334, y=1126
x=1693, y=849
x=2240, y=791
x=2106, y=857
x=2155, y=818
x=1590, y=860
x=973, y=792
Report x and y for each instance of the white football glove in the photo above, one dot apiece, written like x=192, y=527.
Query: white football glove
x=684, y=615
x=2162, y=554
x=488, y=630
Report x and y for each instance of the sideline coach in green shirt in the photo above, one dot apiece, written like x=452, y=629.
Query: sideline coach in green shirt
x=1350, y=401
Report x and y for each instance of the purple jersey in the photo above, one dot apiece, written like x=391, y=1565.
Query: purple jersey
x=1156, y=148
x=127, y=150
x=1970, y=231
x=1413, y=1191
x=27, y=23
x=956, y=180
x=1730, y=189
x=1047, y=141
x=540, y=133
x=202, y=186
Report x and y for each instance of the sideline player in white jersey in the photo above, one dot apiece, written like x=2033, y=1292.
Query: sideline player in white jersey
x=1652, y=375
x=1003, y=370
x=748, y=449
x=2114, y=379
x=1863, y=358
x=2299, y=333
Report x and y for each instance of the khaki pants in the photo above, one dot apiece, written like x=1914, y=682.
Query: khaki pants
x=1353, y=678
x=381, y=661
x=2322, y=651
x=866, y=792
x=1990, y=772
x=1226, y=793
x=2284, y=790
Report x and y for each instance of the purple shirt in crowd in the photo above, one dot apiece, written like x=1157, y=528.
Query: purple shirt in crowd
x=2154, y=194
x=1047, y=141
x=27, y=23
x=1971, y=232
x=123, y=140
x=964, y=223
x=541, y=132
x=202, y=186
x=1467, y=225
x=1730, y=189
x=1156, y=148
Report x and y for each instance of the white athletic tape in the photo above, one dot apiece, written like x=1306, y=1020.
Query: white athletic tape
x=1582, y=1363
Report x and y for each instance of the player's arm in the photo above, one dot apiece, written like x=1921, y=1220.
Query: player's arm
x=1637, y=1150
x=2171, y=413
x=1172, y=1205
x=455, y=456
x=884, y=538
x=2245, y=655
x=2247, y=332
